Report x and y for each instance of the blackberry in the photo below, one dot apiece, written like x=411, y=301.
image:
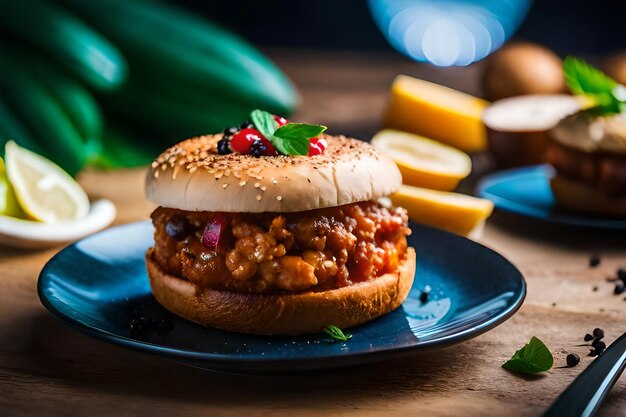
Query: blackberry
x=257, y=148
x=247, y=124
x=223, y=146
x=230, y=131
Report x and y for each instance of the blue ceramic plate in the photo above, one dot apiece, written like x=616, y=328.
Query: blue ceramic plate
x=99, y=284
x=526, y=191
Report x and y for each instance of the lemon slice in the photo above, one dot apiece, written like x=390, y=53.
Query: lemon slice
x=458, y=213
x=437, y=112
x=424, y=162
x=45, y=192
x=8, y=202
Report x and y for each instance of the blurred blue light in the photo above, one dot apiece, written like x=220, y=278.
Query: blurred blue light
x=448, y=32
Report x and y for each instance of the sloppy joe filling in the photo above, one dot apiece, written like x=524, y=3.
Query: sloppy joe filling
x=314, y=250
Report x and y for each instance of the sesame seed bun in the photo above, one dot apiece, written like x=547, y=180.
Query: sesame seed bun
x=283, y=314
x=192, y=176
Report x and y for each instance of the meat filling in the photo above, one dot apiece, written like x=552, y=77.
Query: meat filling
x=293, y=252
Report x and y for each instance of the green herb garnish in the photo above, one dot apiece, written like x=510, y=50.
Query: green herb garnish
x=336, y=333
x=608, y=95
x=290, y=139
x=264, y=122
x=532, y=358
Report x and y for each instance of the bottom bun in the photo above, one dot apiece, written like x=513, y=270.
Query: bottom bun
x=580, y=197
x=288, y=314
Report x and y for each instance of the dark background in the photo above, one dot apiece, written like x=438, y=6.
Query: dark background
x=582, y=27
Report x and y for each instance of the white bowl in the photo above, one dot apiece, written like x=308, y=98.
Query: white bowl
x=33, y=235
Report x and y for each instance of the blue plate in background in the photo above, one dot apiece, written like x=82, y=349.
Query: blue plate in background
x=99, y=284
x=526, y=191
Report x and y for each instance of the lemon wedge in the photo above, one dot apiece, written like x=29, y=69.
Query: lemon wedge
x=45, y=192
x=8, y=202
x=458, y=213
x=437, y=112
x=424, y=162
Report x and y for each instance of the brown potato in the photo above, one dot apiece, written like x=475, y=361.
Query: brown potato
x=521, y=68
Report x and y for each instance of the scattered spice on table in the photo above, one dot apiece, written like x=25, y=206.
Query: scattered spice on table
x=594, y=261
x=597, y=345
x=572, y=360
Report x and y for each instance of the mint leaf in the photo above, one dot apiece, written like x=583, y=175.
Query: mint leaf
x=264, y=122
x=293, y=138
x=532, y=358
x=336, y=333
x=299, y=130
x=583, y=79
x=296, y=146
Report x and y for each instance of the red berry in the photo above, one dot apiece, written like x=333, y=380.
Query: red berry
x=316, y=146
x=280, y=120
x=243, y=139
x=271, y=151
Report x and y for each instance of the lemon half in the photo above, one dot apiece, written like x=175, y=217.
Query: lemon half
x=424, y=162
x=458, y=213
x=438, y=112
x=8, y=202
x=44, y=191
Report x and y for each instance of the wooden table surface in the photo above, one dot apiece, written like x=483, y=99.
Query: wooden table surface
x=49, y=369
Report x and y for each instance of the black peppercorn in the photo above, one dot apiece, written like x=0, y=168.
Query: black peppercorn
x=621, y=274
x=598, y=333
x=599, y=345
x=594, y=261
x=177, y=228
x=572, y=359
x=619, y=288
x=588, y=337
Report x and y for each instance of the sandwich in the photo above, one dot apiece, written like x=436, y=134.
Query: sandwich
x=276, y=228
x=588, y=153
x=588, y=149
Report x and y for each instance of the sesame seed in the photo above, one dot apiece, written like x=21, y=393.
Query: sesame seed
x=259, y=197
x=224, y=185
x=257, y=185
x=264, y=188
x=274, y=181
x=242, y=183
x=279, y=198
